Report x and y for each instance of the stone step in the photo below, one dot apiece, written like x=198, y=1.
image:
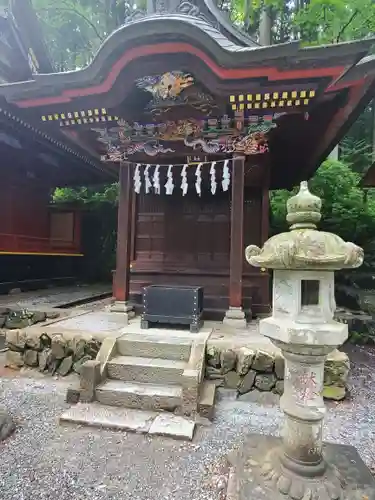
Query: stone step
x=140, y=396
x=127, y=419
x=146, y=370
x=206, y=403
x=155, y=346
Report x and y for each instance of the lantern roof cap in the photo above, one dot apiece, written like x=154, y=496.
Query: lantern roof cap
x=304, y=247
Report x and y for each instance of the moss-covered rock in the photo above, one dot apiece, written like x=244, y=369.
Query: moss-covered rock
x=263, y=361
x=337, y=369
x=245, y=358
x=334, y=392
x=265, y=381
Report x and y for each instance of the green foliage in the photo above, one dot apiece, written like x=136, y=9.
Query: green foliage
x=88, y=196
x=345, y=209
x=312, y=21
x=75, y=29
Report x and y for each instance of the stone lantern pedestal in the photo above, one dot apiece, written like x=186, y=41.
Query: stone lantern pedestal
x=299, y=466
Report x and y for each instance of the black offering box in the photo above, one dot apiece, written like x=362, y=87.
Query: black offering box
x=179, y=305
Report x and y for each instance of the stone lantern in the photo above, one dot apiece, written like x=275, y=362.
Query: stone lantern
x=302, y=326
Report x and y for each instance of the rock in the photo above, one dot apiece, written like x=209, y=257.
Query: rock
x=33, y=342
x=245, y=357
x=228, y=359
x=72, y=396
x=52, y=315
x=53, y=365
x=30, y=357
x=214, y=373
x=45, y=340
x=16, y=340
x=263, y=361
x=337, y=368
x=58, y=346
x=280, y=366
x=44, y=359
x=213, y=356
x=77, y=366
x=92, y=348
x=78, y=346
x=232, y=380
x=14, y=359
x=65, y=366
x=247, y=382
x=260, y=397
x=279, y=387
x=17, y=320
x=2, y=321
x=265, y=381
x=366, y=302
x=38, y=317
x=4, y=311
x=7, y=425
x=333, y=392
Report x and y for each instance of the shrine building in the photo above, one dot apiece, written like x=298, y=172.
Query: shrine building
x=200, y=122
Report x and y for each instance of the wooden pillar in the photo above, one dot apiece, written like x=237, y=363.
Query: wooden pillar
x=121, y=284
x=235, y=315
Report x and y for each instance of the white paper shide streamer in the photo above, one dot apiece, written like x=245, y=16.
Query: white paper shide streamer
x=226, y=176
x=169, y=186
x=156, y=179
x=198, y=182
x=184, y=182
x=148, y=184
x=213, y=177
x=137, y=178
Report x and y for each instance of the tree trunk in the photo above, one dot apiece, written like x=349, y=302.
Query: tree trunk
x=265, y=27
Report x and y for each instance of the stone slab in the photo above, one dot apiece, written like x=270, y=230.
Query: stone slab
x=94, y=322
x=109, y=417
x=142, y=389
x=140, y=396
x=155, y=346
x=169, y=425
x=134, y=327
x=146, y=370
x=125, y=419
x=246, y=482
x=55, y=297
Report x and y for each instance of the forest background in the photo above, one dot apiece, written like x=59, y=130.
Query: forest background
x=74, y=30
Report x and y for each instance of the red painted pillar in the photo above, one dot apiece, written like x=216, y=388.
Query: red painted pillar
x=235, y=315
x=121, y=285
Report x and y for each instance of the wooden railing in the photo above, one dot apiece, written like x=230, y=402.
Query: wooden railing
x=17, y=243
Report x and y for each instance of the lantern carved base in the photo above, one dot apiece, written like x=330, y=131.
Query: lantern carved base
x=258, y=473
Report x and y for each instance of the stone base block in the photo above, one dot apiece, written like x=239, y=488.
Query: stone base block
x=256, y=473
x=235, y=318
x=123, y=307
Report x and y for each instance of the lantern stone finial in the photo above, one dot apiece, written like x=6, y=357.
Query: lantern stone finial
x=304, y=209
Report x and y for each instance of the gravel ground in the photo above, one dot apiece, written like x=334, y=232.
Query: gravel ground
x=43, y=460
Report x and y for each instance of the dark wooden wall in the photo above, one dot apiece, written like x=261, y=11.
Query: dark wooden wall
x=186, y=240
x=27, y=224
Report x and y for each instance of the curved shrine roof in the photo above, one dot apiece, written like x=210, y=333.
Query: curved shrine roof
x=342, y=75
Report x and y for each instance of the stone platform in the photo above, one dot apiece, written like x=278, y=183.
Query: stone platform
x=130, y=420
x=56, y=297
x=252, y=477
